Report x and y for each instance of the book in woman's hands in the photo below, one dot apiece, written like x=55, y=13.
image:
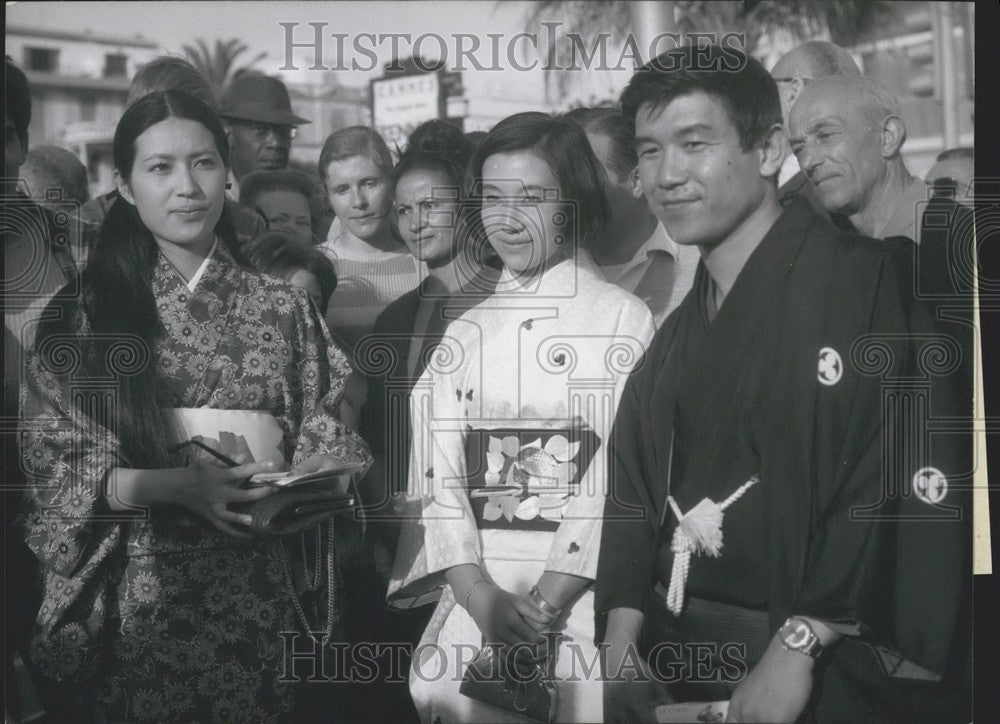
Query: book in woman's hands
x=315, y=479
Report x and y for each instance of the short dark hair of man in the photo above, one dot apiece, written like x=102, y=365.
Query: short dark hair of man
x=261, y=182
x=741, y=83
x=277, y=253
x=610, y=122
x=17, y=99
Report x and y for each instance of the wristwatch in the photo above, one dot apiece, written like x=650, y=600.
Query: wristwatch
x=797, y=635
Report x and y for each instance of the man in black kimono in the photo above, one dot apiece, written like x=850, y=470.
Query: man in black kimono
x=796, y=387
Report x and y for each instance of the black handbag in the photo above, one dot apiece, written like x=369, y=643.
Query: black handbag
x=289, y=511
x=486, y=679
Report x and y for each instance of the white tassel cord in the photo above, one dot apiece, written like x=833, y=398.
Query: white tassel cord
x=698, y=531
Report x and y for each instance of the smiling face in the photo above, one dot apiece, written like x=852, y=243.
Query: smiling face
x=519, y=225
x=360, y=195
x=287, y=211
x=838, y=149
x=177, y=182
x=696, y=176
x=426, y=222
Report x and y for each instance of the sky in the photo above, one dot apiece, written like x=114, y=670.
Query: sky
x=173, y=24
x=259, y=25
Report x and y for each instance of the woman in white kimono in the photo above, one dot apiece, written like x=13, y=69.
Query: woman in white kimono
x=507, y=473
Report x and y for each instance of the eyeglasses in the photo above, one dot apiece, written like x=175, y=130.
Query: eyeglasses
x=805, y=81
x=261, y=130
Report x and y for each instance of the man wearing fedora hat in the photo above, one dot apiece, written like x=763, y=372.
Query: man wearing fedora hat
x=258, y=116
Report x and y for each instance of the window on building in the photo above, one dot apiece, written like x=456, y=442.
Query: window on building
x=41, y=59
x=88, y=108
x=115, y=64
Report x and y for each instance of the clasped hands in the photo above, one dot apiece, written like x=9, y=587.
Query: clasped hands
x=512, y=621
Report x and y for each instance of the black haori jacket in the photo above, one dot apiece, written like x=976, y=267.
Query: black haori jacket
x=822, y=374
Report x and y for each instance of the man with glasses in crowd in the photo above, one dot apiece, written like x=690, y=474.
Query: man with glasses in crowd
x=259, y=120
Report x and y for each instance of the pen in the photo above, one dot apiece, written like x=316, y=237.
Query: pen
x=219, y=456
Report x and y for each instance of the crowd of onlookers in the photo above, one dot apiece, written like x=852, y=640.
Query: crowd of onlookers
x=197, y=254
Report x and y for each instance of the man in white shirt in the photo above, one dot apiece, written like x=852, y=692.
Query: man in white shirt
x=636, y=253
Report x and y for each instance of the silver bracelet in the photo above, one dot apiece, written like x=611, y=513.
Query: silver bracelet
x=471, y=589
x=546, y=607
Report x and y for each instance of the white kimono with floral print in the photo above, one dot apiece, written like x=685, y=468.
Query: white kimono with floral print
x=545, y=356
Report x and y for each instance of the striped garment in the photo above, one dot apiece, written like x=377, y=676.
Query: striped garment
x=366, y=284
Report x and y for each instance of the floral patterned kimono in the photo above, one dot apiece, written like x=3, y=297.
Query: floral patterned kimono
x=507, y=470
x=166, y=617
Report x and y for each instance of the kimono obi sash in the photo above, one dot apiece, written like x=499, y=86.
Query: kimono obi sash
x=177, y=530
x=232, y=431
x=522, y=478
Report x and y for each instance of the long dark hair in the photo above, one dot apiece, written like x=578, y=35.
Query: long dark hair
x=117, y=294
x=436, y=146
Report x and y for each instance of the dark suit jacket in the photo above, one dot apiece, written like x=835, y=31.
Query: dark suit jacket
x=799, y=186
x=384, y=357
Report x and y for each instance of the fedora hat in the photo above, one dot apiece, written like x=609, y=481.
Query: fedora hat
x=261, y=99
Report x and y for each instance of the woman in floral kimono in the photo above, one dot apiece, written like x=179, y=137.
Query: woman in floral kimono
x=506, y=473
x=158, y=604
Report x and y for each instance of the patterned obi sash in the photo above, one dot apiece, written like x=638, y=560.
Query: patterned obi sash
x=522, y=478
x=232, y=431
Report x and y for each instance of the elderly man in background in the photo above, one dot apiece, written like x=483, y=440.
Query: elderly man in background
x=793, y=72
x=257, y=112
x=635, y=252
x=847, y=134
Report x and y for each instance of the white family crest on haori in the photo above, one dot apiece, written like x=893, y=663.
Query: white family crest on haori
x=831, y=367
x=930, y=485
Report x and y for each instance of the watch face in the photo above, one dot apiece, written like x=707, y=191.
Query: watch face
x=796, y=634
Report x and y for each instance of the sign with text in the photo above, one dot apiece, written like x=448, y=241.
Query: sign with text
x=402, y=103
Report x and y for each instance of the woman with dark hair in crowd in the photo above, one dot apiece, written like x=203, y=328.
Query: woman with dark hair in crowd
x=284, y=198
x=506, y=471
x=281, y=253
x=158, y=602
x=373, y=266
x=427, y=212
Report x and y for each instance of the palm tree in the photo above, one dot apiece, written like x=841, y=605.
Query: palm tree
x=847, y=21
x=583, y=18
x=219, y=65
